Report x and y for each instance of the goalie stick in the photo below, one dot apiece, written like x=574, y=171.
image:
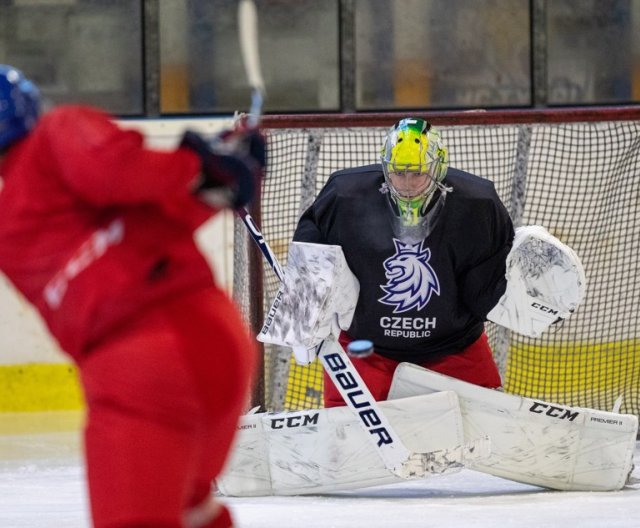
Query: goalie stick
x=392, y=450
x=335, y=361
x=248, y=35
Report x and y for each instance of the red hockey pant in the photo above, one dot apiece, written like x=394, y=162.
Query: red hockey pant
x=164, y=395
x=474, y=364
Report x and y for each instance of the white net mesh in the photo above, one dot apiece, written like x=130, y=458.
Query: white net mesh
x=579, y=180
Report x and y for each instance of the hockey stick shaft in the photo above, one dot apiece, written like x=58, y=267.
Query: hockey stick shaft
x=248, y=33
x=349, y=383
x=260, y=241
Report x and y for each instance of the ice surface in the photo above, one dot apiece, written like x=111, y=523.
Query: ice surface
x=42, y=485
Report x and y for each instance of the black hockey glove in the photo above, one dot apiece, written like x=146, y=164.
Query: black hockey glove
x=232, y=166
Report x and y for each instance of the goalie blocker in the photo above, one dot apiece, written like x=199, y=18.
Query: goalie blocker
x=317, y=298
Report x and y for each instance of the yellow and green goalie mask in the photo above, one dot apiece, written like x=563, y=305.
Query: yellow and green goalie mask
x=414, y=161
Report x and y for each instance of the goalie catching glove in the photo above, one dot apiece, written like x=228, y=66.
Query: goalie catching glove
x=317, y=297
x=232, y=166
x=545, y=283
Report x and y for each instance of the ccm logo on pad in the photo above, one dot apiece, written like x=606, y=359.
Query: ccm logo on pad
x=300, y=420
x=553, y=411
x=544, y=308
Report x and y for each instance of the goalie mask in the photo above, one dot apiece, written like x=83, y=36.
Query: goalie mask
x=414, y=161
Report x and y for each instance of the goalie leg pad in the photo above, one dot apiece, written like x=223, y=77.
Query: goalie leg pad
x=532, y=441
x=326, y=450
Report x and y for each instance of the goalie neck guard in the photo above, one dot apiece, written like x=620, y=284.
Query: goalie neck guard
x=414, y=161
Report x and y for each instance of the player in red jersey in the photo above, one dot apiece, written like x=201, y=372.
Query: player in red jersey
x=97, y=233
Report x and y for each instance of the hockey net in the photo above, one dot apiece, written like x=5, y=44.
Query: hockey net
x=576, y=172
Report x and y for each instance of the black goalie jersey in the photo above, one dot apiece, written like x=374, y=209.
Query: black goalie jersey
x=417, y=299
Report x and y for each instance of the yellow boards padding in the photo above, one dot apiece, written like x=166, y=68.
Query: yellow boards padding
x=582, y=374
x=39, y=387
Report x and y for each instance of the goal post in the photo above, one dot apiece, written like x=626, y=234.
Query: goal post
x=574, y=171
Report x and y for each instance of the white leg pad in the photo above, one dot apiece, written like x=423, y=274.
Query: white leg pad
x=532, y=441
x=326, y=450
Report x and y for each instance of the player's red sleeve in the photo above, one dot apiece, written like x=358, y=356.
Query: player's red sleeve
x=106, y=165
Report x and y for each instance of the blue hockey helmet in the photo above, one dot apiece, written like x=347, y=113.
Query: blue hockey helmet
x=19, y=105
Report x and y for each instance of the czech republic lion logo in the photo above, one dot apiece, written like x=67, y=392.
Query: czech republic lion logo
x=411, y=280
